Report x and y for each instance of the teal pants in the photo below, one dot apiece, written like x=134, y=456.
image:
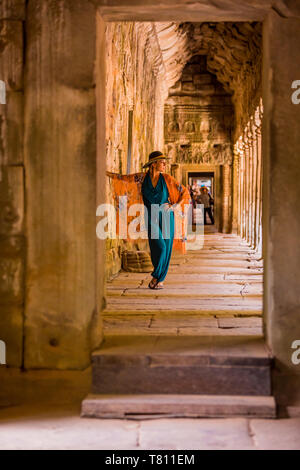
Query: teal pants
x=161, y=247
x=161, y=226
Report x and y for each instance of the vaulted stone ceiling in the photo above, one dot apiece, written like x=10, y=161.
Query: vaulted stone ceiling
x=232, y=50
x=173, y=42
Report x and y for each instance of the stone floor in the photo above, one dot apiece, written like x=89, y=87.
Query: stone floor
x=213, y=291
x=58, y=429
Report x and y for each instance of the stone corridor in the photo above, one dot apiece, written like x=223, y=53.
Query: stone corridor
x=92, y=87
x=213, y=291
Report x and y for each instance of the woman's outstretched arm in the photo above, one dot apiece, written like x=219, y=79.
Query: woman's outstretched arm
x=109, y=173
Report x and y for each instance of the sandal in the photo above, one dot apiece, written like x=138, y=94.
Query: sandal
x=153, y=284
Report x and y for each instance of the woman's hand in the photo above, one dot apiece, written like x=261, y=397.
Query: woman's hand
x=166, y=207
x=177, y=209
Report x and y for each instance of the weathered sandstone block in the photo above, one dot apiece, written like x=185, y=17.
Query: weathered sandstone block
x=60, y=160
x=11, y=280
x=11, y=332
x=12, y=9
x=12, y=201
x=11, y=129
x=11, y=54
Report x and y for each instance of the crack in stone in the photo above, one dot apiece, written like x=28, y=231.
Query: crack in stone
x=151, y=321
x=138, y=436
x=242, y=289
x=275, y=8
x=217, y=249
x=252, y=433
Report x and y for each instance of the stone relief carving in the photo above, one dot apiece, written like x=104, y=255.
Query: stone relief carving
x=205, y=126
x=171, y=151
x=173, y=126
x=233, y=51
x=200, y=153
x=183, y=154
x=189, y=126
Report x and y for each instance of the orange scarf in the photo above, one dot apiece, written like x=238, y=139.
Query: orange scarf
x=131, y=186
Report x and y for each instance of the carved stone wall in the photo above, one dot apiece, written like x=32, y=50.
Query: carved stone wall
x=198, y=117
x=12, y=235
x=199, y=125
x=49, y=318
x=135, y=81
x=234, y=56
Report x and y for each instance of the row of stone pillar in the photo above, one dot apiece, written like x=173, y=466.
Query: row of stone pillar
x=248, y=181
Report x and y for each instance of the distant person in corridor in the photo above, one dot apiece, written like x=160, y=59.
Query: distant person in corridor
x=206, y=199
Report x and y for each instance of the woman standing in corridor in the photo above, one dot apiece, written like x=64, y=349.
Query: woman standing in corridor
x=164, y=199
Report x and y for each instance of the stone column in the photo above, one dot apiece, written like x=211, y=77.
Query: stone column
x=247, y=182
x=258, y=221
x=250, y=188
x=12, y=236
x=226, y=186
x=242, y=186
x=235, y=190
x=281, y=196
x=260, y=192
x=96, y=326
x=239, y=162
x=254, y=183
x=62, y=306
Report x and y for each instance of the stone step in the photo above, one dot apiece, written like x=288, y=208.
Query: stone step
x=220, y=302
x=177, y=406
x=180, y=325
x=112, y=310
x=219, y=261
x=204, y=278
x=190, y=269
x=228, y=305
x=208, y=365
x=183, y=290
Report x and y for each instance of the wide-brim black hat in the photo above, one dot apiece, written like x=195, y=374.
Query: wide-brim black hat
x=154, y=157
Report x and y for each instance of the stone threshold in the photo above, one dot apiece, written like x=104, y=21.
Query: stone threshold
x=146, y=406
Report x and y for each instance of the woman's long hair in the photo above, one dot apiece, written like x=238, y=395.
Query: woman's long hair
x=151, y=168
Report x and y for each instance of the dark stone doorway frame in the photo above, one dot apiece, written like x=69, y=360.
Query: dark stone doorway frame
x=281, y=30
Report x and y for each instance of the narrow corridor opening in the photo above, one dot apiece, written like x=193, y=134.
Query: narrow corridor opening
x=193, y=91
